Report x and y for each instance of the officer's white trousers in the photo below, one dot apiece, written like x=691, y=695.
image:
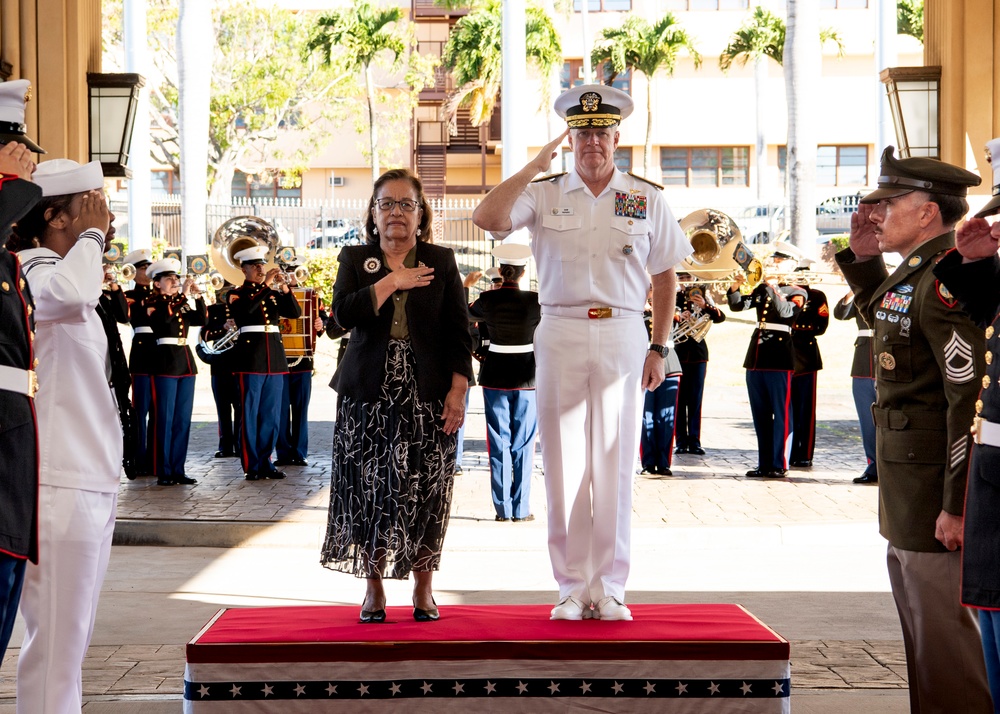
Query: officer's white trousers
x=59, y=601
x=589, y=411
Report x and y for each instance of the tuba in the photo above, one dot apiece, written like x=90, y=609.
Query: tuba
x=237, y=234
x=719, y=252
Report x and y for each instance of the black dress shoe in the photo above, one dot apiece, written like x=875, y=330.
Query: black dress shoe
x=426, y=615
x=775, y=473
x=165, y=481
x=220, y=455
x=803, y=464
x=500, y=519
x=282, y=462
x=458, y=469
x=528, y=517
x=756, y=473
x=696, y=450
x=372, y=616
x=682, y=450
x=664, y=471
x=186, y=480
x=273, y=474
x=299, y=462
x=646, y=470
x=251, y=476
x=230, y=455
x=867, y=478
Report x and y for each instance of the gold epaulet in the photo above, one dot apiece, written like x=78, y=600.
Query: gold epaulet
x=645, y=180
x=549, y=177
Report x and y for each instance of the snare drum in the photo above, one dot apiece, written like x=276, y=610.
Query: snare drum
x=297, y=334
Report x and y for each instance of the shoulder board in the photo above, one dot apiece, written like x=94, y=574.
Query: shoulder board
x=645, y=180
x=549, y=177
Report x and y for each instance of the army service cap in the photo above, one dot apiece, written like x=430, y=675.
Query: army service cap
x=901, y=176
x=593, y=105
x=993, y=206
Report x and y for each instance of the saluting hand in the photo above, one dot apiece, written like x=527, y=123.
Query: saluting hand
x=543, y=159
x=975, y=239
x=15, y=159
x=93, y=213
x=864, y=239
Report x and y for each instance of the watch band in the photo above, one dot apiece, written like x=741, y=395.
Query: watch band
x=658, y=349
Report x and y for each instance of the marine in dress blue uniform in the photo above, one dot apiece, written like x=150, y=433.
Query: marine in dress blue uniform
x=171, y=312
x=260, y=359
x=862, y=383
x=693, y=355
x=769, y=362
x=972, y=275
x=141, y=360
x=659, y=410
x=19, y=431
x=810, y=324
x=507, y=376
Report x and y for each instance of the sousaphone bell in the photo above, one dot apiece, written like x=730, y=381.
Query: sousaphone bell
x=718, y=249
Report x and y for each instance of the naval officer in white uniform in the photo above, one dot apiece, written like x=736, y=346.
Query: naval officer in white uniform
x=79, y=432
x=598, y=237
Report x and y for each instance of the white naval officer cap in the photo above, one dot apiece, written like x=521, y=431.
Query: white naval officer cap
x=512, y=253
x=63, y=177
x=993, y=152
x=252, y=256
x=593, y=105
x=783, y=249
x=139, y=256
x=493, y=274
x=163, y=267
x=13, y=95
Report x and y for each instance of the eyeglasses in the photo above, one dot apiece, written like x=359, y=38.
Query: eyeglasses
x=406, y=205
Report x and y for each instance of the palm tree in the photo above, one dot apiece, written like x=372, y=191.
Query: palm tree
x=474, y=55
x=645, y=48
x=361, y=33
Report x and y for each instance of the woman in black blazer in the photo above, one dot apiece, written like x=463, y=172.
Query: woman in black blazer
x=402, y=384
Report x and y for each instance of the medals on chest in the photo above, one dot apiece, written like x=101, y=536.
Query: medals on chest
x=630, y=206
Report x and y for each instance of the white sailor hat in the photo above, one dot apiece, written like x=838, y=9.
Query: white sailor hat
x=139, y=256
x=62, y=177
x=512, y=253
x=160, y=268
x=252, y=256
x=783, y=249
x=593, y=105
x=993, y=152
x=493, y=274
x=13, y=95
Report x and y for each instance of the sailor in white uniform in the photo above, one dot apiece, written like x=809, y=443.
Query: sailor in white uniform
x=79, y=432
x=598, y=237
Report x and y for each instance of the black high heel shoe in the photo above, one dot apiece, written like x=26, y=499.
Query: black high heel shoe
x=426, y=615
x=371, y=616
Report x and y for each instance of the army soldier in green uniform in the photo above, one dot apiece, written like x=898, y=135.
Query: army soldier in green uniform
x=928, y=369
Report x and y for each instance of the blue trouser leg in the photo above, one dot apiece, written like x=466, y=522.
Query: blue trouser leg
x=656, y=439
x=803, y=416
x=523, y=429
x=250, y=390
x=460, y=449
x=863, y=389
x=989, y=630
x=768, y=392
x=497, y=406
x=165, y=397
x=268, y=415
x=11, y=579
x=181, y=428
x=300, y=392
x=284, y=444
x=142, y=400
x=689, y=399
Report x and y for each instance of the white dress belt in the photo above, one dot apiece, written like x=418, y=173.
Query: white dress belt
x=511, y=349
x=985, y=432
x=775, y=327
x=260, y=328
x=866, y=333
x=21, y=381
x=593, y=313
x=144, y=330
x=181, y=341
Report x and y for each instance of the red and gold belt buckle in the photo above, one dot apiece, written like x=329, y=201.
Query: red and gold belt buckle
x=599, y=313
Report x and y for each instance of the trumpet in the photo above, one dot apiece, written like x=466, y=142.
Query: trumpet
x=118, y=273
x=209, y=280
x=694, y=327
x=300, y=274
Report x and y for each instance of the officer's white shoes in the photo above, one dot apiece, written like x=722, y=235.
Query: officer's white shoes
x=569, y=608
x=611, y=608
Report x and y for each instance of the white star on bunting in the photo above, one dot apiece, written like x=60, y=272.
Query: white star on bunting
x=713, y=688
x=553, y=687
x=585, y=688
x=235, y=691
x=331, y=689
x=363, y=689
x=681, y=688
x=459, y=688
x=745, y=688
x=395, y=689
x=778, y=688
x=300, y=689
x=426, y=687
x=268, y=690
x=619, y=688
x=650, y=688
x=203, y=690
x=491, y=688
x=521, y=687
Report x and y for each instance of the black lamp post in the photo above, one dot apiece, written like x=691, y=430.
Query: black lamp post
x=915, y=102
x=113, y=102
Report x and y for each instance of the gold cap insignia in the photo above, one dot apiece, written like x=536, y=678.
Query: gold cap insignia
x=590, y=101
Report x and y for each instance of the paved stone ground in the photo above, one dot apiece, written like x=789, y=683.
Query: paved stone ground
x=704, y=491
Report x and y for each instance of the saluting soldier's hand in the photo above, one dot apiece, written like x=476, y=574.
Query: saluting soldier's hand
x=15, y=159
x=93, y=213
x=543, y=159
x=975, y=239
x=864, y=239
x=472, y=278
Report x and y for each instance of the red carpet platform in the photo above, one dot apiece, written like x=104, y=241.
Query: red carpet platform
x=671, y=658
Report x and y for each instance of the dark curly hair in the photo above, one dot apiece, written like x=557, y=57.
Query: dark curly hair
x=28, y=232
x=426, y=217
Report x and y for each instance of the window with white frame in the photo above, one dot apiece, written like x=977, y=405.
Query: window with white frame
x=685, y=5
x=705, y=166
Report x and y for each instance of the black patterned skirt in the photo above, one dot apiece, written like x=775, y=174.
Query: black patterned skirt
x=392, y=479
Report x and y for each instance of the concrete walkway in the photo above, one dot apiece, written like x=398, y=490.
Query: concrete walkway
x=802, y=553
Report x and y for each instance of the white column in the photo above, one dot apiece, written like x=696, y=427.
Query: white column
x=140, y=214
x=515, y=154
x=885, y=56
x=588, y=73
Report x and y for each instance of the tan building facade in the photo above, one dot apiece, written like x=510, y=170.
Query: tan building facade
x=53, y=43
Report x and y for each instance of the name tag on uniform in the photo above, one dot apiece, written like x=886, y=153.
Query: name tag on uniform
x=630, y=205
x=562, y=211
